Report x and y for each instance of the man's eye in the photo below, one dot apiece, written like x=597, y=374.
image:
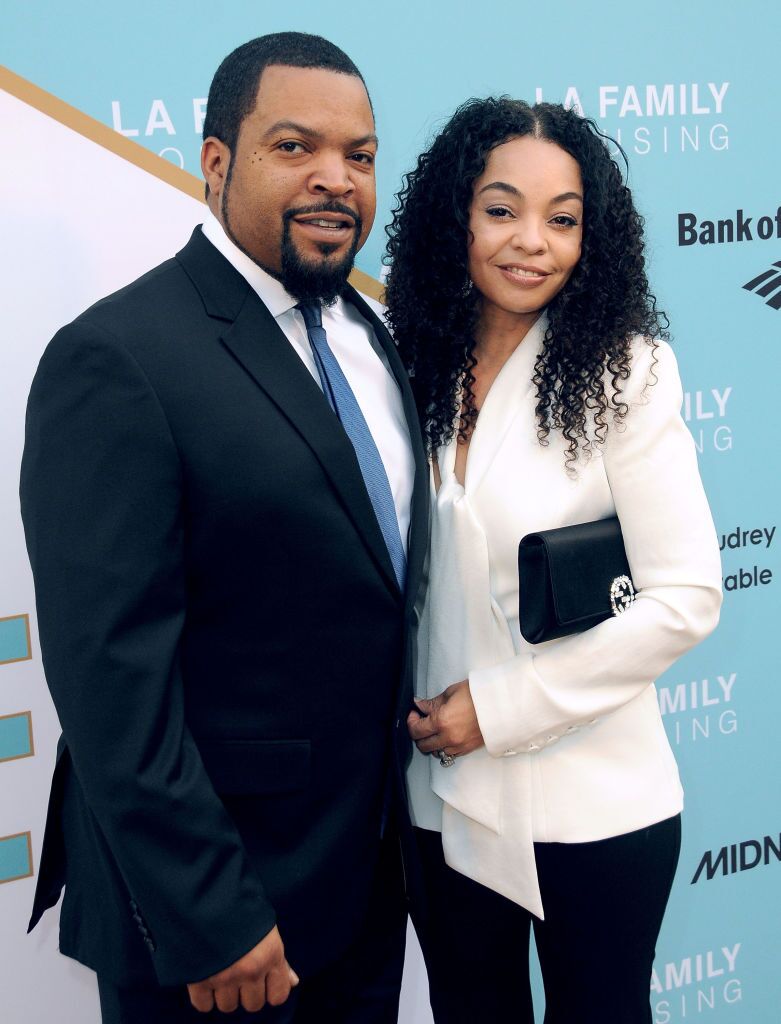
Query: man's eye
x=367, y=159
x=291, y=147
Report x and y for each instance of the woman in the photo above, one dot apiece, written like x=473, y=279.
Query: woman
x=549, y=396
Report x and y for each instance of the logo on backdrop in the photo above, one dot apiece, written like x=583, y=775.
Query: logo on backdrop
x=682, y=989
x=742, y=227
x=159, y=124
x=666, y=118
x=658, y=117
x=764, y=851
x=698, y=710
x=705, y=413
x=767, y=285
x=752, y=540
x=693, y=230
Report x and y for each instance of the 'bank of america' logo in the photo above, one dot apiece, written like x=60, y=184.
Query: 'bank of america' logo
x=768, y=284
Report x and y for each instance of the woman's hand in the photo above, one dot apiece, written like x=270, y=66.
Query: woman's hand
x=446, y=722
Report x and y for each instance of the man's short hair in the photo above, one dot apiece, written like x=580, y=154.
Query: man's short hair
x=235, y=84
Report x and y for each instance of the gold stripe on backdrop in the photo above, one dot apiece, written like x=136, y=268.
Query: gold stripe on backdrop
x=134, y=153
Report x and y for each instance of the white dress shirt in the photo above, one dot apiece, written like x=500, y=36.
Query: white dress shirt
x=360, y=356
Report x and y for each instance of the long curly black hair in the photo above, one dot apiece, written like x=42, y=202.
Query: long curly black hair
x=433, y=312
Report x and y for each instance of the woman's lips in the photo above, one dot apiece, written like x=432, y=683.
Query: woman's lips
x=524, y=277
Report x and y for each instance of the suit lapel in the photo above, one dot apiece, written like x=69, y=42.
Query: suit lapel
x=419, y=512
x=256, y=341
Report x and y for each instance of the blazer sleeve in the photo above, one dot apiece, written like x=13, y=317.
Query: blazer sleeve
x=532, y=700
x=101, y=493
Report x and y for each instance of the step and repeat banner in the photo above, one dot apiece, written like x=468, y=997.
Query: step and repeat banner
x=102, y=108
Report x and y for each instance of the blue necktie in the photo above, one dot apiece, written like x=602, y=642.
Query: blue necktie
x=344, y=403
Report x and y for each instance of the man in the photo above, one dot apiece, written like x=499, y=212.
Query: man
x=224, y=495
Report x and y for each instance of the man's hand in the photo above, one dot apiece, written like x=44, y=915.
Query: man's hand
x=261, y=976
x=447, y=722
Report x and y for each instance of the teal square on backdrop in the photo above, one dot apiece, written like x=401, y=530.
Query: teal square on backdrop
x=14, y=639
x=16, y=738
x=15, y=858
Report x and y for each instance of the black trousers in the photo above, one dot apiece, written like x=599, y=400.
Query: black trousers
x=362, y=986
x=604, y=903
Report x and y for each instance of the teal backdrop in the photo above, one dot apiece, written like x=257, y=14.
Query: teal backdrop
x=692, y=91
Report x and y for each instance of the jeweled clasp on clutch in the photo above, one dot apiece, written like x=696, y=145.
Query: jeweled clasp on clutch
x=622, y=594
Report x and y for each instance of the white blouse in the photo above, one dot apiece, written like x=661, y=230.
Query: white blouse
x=575, y=749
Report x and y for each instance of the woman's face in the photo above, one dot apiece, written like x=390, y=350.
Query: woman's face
x=526, y=221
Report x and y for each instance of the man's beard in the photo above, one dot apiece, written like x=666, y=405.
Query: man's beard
x=306, y=281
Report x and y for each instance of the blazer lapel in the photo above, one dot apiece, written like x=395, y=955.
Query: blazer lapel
x=505, y=399
x=255, y=340
x=417, y=545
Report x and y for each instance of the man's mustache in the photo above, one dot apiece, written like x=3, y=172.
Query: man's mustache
x=333, y=207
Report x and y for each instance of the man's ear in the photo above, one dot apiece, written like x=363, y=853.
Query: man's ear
x=215, y=160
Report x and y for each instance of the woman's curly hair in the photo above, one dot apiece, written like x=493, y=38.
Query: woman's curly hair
x=433, y=309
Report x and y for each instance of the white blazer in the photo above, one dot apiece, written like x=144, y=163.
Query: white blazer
x=575, y=749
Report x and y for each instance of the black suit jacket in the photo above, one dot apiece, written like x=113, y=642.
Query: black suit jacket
x=222, y=632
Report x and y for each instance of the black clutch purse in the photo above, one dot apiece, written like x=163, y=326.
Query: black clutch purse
x=572, y=578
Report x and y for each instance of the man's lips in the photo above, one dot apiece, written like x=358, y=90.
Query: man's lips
x=330, y=221
x=327, y=224
x=336, y=228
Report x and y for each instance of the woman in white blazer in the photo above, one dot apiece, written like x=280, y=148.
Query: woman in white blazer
x=543, y=787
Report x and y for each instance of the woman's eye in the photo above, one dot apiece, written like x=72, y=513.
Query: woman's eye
x=498, y=211
x=564, y=221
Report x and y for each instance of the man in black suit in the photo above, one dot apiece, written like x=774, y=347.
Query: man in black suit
x=224, y=495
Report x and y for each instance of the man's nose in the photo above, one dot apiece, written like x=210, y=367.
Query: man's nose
x=332, y=175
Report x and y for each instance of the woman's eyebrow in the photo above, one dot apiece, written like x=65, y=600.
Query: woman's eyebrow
x=503, y=186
